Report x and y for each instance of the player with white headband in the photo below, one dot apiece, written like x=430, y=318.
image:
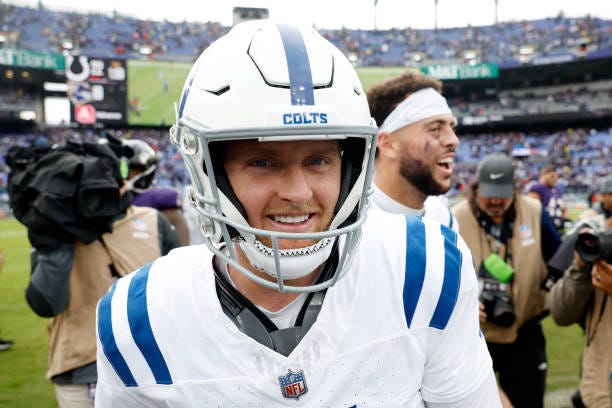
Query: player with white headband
x=416, y=147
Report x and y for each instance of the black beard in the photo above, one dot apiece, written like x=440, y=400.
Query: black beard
x=419, y=175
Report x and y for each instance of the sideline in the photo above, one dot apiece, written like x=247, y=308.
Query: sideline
x=561, y=398
x=12, y=234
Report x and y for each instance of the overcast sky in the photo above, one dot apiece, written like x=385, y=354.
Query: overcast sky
x=348, y=13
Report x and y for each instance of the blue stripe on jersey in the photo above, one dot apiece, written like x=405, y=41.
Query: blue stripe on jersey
x=107, y=338
x=298, y=64
x=450, y=223
x=452, y=279
x=140, y=326
x=416, y=256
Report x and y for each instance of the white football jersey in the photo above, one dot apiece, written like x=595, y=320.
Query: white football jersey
x=434, y=208
x=399, y=330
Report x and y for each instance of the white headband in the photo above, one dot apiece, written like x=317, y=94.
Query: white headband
x=420, y=105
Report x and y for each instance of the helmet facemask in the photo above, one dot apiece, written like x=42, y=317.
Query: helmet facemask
x=222, y=215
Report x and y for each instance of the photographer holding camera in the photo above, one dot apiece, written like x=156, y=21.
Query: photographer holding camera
x=511, y=237
x=582, y=296
x=85, y=233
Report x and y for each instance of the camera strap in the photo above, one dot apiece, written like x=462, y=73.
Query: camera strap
x=496, y=235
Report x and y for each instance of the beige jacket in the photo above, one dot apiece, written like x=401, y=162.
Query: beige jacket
x=526, y=260
x=572, y=298
x=72, y=334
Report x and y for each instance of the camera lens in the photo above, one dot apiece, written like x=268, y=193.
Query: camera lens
x=503, y=314
x=588, y=247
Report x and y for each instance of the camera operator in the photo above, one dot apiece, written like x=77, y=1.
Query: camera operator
x=85, y=233
x=511, y=237
x=582, y=296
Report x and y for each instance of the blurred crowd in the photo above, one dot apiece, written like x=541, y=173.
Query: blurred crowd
x=171, y=170
x=594, y=97
x=507, y=43
x=581, y=154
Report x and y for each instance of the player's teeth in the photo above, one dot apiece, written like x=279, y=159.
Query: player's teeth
x=290, y=220
x=448, y=160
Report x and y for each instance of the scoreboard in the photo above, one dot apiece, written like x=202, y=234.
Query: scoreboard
x=96, y=88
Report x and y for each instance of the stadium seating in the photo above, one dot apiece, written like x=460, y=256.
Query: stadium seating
x=507, y=44
x=582, y=153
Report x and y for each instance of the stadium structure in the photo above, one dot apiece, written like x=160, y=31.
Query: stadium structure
x=539, y=90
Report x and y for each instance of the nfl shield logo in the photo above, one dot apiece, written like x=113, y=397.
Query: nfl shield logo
x=293, y=384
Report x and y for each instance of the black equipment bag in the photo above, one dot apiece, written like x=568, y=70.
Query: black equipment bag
x=65, y=193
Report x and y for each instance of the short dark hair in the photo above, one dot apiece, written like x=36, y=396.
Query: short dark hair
x=385, y=96
x=549, y=168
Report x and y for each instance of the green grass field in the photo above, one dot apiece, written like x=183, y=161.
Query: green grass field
x=373, y=75
x=146, y=82
x=22, y=368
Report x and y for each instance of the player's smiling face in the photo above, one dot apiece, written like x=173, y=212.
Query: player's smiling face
x=427, y=153
x=285, y=186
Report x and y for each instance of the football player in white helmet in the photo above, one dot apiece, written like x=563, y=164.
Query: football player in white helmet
x=296, y=298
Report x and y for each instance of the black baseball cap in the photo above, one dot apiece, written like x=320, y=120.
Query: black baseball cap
x=496, y=176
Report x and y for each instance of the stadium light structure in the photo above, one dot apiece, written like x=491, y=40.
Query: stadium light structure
x=435, y=15
x=496, y=10
x=375, y=15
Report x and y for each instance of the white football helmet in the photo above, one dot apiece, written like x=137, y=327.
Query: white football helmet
x=143, y=159
x=275, y=83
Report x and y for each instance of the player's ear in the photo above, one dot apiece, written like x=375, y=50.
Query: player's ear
x=387, y=145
